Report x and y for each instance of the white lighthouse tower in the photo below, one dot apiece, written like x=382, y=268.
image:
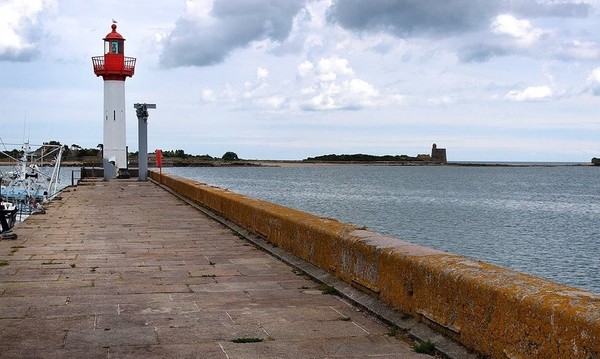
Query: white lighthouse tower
x=114, y=67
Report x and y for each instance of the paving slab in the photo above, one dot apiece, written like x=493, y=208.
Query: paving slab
x=124, y=269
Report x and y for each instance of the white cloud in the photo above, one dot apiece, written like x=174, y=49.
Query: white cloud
x=522, y=30
x=305, y=68
x=594, y=81
x=332, y=85
x=442, y=100
x=20, y=27
x=578, y=49
x=198, y=10
x=262, y=73
x=533, y=93
x=272, y=102
x=208, y=95
x=595, y=75
x=209, y=30
x=329, y=69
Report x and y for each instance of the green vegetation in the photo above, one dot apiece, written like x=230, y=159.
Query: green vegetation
x=394, y=331
x=361, y=158
x=12, y=153
x=247, y=340
x=75, y=154
x=176, y=154
x=3, y=263
x=230, y=156
x=426, y=347
x=327, y=289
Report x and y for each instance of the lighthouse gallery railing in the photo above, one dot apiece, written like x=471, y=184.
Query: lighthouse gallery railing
x=128, y=65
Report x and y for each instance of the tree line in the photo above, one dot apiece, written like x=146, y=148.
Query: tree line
x=359, y=157
x=76, y=151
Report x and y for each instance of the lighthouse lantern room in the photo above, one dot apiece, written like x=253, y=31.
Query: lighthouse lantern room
x=114, y=67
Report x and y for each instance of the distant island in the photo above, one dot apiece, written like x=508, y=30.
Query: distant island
x=76, y=155
x=438, y=156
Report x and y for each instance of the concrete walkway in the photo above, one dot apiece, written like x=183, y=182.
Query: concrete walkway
x=124, y=269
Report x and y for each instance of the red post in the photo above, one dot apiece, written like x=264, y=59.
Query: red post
x=159, y=164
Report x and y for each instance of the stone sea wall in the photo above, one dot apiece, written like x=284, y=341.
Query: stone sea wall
x=494, y=311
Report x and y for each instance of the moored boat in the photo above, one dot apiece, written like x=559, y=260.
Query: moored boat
x=32, y=181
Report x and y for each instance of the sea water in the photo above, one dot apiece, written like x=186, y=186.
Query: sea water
x=542, y=220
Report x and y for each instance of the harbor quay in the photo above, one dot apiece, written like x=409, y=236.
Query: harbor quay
x=493, y=311
x=125, y=269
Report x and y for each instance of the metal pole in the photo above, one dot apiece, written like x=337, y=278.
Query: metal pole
x=142, y=115
x=143, y=149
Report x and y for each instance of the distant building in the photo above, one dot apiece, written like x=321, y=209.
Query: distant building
x=438, y=154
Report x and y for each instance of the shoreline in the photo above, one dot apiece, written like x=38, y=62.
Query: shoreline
x=300, y=163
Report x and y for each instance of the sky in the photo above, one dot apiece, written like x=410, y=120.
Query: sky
x=489, y=80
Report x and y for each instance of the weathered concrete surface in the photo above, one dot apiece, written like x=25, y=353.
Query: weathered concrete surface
x=124, y=269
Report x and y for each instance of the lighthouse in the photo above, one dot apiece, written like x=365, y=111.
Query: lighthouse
x=114, y=67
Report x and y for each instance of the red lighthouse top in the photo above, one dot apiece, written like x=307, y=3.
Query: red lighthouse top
x=114, y=65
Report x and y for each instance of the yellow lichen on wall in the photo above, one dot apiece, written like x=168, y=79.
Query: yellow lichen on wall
x=495, y=311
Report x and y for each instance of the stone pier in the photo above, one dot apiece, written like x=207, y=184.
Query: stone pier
x=125, y=269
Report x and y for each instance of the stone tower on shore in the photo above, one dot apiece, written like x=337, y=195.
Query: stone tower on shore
x=438, y=154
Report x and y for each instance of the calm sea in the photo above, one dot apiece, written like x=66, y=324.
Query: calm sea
x=540, y=220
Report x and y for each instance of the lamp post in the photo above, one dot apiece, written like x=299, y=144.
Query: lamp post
x=141, y=110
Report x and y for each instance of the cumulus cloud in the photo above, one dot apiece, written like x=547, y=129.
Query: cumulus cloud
x=252, y=94
x=21, y=28
x=511, y=35
x=594, y=80
x=482, y=29
x=522, y=30
x=305, y=68
x=418, y=18
x=481, y=52
x=550, y=8
x=331, y=85
x=262, y=73
x=533, y=93
x=412, y=17
x=209, y=30
x=508, y=35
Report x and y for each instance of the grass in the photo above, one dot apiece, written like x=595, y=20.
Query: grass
x=3, y=263
x=247, y=340
x=395, y=331
x=426, y=347
x=327, y=289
